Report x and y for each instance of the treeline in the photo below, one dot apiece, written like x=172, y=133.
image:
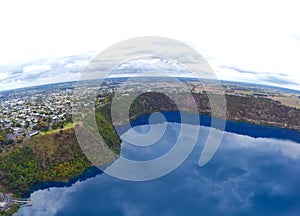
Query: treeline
x=248, y=109
x=106, y=129
x=262, y=111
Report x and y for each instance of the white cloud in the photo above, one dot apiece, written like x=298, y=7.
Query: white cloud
x=12, y=84
x=76, y=64
x=36, y=68
x=288, y=148
x=3, y=75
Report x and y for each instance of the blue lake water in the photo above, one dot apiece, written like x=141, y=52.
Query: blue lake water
x=256, y=171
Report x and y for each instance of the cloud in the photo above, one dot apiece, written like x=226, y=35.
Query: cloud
x=70, y=67
x=150, y=64
x=235, y=73
x=36, y=68
x=43, y=71
x=233, y=67
x=279, y=80
x=3, y=75
x=147, y=66
x=295, y=36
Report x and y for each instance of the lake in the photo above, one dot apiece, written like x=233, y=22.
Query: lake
x=255, y=171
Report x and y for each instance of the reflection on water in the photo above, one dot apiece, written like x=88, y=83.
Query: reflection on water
x=247, y=176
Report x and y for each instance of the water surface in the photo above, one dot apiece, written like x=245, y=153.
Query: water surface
x=248, y=175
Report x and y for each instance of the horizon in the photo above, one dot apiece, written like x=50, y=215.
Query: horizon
x=125, y=77
x=72, y=68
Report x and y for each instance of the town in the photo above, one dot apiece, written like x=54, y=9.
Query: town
x=33, y=111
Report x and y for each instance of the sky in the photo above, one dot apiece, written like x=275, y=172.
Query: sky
x=52, y=41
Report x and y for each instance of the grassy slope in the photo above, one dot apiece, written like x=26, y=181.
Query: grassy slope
x=54, y=156
x=66, y=126
x=50, y=157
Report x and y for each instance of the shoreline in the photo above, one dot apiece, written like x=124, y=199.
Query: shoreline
x=205, y=120
x=91, y=172
x=265, y=131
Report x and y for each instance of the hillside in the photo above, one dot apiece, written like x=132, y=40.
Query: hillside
x=247, y=109
x=53, y=156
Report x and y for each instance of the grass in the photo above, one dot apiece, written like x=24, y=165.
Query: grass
x=67, y=126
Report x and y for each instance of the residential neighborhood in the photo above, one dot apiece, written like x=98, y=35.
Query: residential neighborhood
x=29, y=114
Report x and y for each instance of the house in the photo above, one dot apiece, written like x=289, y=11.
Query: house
x=32, y=133
x=3, y=204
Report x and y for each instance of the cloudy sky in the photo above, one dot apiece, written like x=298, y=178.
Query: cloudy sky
x=52, y=41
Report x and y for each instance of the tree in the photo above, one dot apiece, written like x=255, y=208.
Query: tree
x=42, y=126
x=27, y=124
x=55, y=126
